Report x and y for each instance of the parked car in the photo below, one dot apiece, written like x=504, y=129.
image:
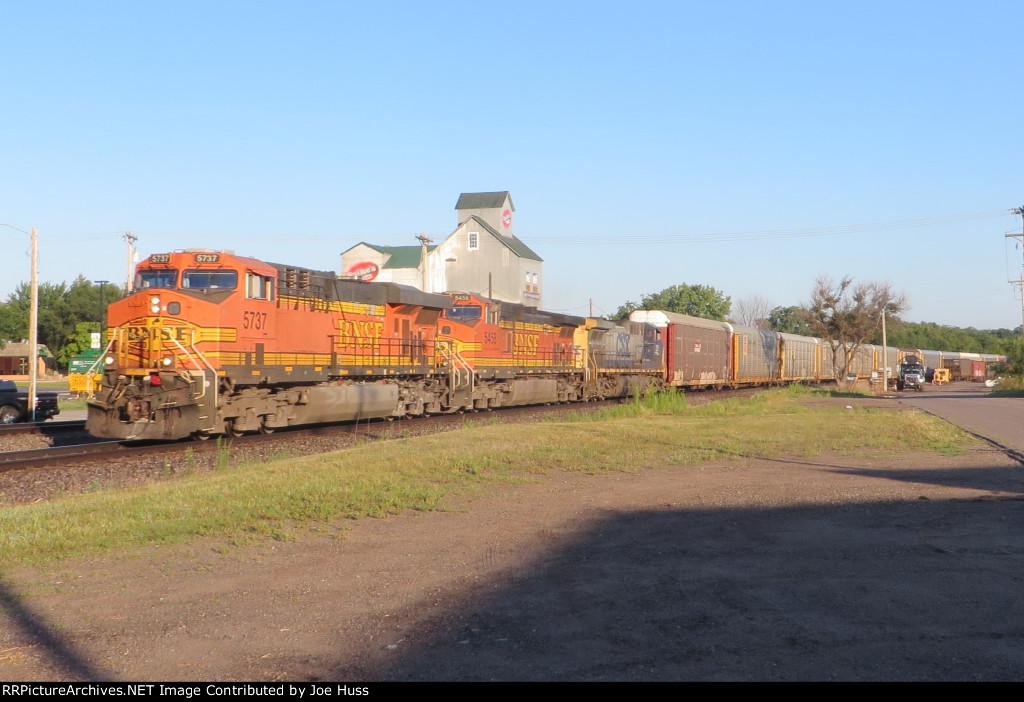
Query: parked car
x=14, y=404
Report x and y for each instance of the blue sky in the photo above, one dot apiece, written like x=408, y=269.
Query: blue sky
x=749, y=146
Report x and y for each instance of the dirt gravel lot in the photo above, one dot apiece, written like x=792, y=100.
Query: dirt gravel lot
x=886, y=567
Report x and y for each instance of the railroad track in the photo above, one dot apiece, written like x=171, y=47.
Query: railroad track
x=46, y=428
x=57, y=455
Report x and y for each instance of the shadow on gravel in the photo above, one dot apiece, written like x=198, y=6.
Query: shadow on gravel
x=925, y=590
x=1007, y=481
x=45, y=639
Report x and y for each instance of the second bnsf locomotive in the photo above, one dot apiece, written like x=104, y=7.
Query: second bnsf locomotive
x=213, y=343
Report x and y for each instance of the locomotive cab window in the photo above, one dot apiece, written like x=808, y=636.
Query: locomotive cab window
x=156, y=278
x=259, y=287
x=466, y=313
x=226, y=280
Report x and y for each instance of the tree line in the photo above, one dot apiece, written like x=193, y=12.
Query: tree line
x=68, y=315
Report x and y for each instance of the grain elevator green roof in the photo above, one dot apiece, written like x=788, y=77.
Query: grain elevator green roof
x=483, y=201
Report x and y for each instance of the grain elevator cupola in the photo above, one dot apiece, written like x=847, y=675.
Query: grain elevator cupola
x=496, y=209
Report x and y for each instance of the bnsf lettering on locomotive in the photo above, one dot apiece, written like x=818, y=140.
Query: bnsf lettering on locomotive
x=137, y=333
x=207, y=258
x=527, y=342
x=254, y=320
x=366, y=333
x=178, y=333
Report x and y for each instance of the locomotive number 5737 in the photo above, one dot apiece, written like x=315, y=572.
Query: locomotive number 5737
x=254, y=320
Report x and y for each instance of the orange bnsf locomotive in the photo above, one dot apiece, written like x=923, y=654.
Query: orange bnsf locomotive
x=212, y=343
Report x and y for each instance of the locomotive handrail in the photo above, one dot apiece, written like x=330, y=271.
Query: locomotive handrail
x=99, y=359
x=457, y=365
x=202, y=369
x=91, y=370
x=470, y=375
x=591, y=370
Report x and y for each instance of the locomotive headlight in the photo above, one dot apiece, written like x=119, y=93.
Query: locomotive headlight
x=154, y=304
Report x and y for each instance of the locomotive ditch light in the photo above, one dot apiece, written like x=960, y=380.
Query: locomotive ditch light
x=108, y=361
x=167, y=361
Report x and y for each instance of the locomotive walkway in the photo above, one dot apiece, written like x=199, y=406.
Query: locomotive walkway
x=999, y=420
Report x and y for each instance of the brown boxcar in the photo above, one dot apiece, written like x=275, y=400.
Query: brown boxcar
x=697, y=351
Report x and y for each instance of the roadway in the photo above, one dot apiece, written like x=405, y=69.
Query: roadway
x=1000, y=420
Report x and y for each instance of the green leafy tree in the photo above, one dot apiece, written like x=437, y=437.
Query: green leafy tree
x=54, y=323
x=1013, y=349
x=81, y=340
x=790, y=320
x=694, y=300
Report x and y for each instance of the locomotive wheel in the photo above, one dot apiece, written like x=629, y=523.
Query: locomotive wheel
x=229, y=428
x=264, y=429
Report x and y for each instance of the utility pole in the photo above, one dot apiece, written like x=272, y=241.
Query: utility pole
x=1020, y=282
x=103, y=310
x=131, y=239
x=885, y=357
x=33, y=326
x=33, y=319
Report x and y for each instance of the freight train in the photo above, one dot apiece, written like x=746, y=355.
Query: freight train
x=211, y=343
